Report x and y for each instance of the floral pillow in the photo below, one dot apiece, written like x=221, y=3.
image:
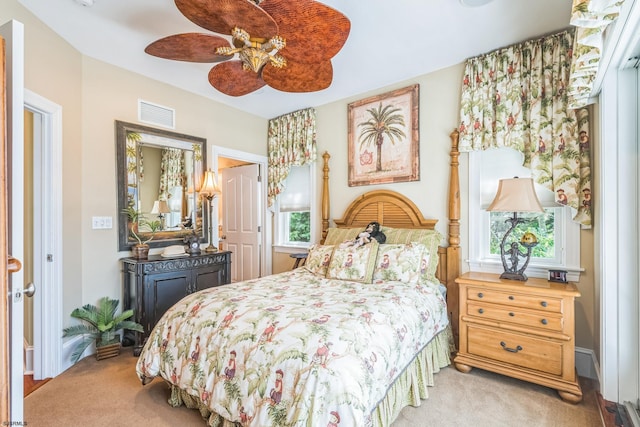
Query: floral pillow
x=318, y=259
x=430, y=238
x=399, y=262
x=353, y=264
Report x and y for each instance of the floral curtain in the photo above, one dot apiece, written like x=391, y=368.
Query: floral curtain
x=591, y=18
x=291, y=142
x=171, y=171
x=516, y=97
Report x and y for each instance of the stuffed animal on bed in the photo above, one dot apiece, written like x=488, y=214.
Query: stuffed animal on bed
x=372, y=232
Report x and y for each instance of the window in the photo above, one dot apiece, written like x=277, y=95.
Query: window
x=296, y=211
x=558, y=236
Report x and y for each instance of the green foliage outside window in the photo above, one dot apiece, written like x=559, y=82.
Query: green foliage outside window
x=541, y=225
x=299, y=226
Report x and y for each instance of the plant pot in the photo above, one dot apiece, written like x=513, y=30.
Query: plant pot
x=107, y=351
x=140, y=251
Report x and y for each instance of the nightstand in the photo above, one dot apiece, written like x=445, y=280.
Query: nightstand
x=525, y=330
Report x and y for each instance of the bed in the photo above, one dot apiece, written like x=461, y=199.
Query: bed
x=348, y=339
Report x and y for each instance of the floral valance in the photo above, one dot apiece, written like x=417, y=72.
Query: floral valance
x=291, y=142
x=516, y=97
x=591, y=18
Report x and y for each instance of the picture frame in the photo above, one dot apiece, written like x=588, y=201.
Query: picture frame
x=390, y=155
x=559, y=276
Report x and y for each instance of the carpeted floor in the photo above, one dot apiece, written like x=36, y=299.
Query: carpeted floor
x=108, y=393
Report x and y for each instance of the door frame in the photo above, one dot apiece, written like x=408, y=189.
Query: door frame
x=12, y=386
x=47, y=220
x=216, y=152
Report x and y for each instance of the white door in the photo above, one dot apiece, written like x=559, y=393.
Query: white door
x=241, y=226
x=13, y=33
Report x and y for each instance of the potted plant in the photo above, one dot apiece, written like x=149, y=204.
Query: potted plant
x=137, y=220
x=100, y=326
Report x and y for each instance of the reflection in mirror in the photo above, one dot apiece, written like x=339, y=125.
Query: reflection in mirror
x=159, y=174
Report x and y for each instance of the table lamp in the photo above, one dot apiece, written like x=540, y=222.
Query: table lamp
x=516, y=195
x=210, y=190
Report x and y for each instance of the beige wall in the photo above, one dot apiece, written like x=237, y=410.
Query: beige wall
x=94, y=94
x=53, y=70
x=110, y=93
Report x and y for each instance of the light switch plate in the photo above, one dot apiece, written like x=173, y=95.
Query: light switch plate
x=101, y=222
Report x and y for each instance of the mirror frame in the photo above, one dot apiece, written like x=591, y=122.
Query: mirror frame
x=161, y=238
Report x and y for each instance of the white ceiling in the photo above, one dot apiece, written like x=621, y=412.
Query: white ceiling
x=390, y=41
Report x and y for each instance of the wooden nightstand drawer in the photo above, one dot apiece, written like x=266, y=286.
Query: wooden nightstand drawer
x=515, y=299
x=517, y=349
x=532, y=318
x=521, y=329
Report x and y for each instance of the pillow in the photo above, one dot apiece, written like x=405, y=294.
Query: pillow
x=399, y=262
x=429, y=238
x=318, y=259
x=335, y=236
x=353, y=264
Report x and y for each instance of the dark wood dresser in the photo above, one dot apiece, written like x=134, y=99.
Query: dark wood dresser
x=153, y=285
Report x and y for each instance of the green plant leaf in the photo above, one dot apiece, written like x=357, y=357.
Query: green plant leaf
x=130, y=325
x=75, y=330
x=80, y=348
x=101, y=324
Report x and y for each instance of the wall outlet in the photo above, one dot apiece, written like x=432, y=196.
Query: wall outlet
x=101, y=222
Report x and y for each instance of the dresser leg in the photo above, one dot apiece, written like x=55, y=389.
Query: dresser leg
x=570, y=397
x=465, y=369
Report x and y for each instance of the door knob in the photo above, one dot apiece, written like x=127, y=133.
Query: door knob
x=30, y=290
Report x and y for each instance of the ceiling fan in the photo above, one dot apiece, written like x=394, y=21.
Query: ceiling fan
x=286, y=44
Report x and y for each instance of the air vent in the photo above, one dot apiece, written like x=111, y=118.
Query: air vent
x=156, y=114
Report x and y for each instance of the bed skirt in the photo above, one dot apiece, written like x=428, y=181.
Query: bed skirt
x=408, y=389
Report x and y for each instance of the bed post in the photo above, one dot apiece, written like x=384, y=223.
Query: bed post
x=325, y=195
x=453, y=249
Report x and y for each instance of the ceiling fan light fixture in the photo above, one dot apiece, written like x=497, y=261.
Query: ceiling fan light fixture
x=287, y=44
x=253, y=53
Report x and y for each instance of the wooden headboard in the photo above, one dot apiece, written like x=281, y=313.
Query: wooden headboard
x=392, y=209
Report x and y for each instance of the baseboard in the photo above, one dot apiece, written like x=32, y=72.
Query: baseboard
x=586, y=364
x=28, y=360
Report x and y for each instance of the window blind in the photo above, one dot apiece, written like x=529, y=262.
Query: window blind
x=295, y=197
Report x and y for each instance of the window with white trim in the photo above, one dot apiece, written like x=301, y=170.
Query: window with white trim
x=296, y=210
x=557, y=234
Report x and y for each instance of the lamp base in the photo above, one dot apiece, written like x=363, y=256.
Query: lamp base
x=211, y=249
x=514, y=276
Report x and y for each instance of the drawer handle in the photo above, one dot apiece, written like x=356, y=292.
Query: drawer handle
x=511, y=297
x=543, y=303
x=510, y=350
x=544, y=321
x=481, y=310
x=480, y=295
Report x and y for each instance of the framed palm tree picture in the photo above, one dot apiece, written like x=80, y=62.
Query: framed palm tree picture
x=384, y=138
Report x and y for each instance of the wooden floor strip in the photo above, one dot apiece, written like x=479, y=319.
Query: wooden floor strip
x=31, y=385
x=613, y=414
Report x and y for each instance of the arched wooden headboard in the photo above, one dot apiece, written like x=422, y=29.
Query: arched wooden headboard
x=388, y=208
x=392, y=209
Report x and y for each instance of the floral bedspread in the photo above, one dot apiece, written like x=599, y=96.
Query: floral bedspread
x=294, y=348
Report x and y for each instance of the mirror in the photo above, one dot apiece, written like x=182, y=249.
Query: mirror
x=159, y=175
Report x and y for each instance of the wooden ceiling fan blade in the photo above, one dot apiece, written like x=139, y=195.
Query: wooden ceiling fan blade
x=299, y=77
x=314, y=32
x=191, y=47
x=221, y=16
x=231, y=79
